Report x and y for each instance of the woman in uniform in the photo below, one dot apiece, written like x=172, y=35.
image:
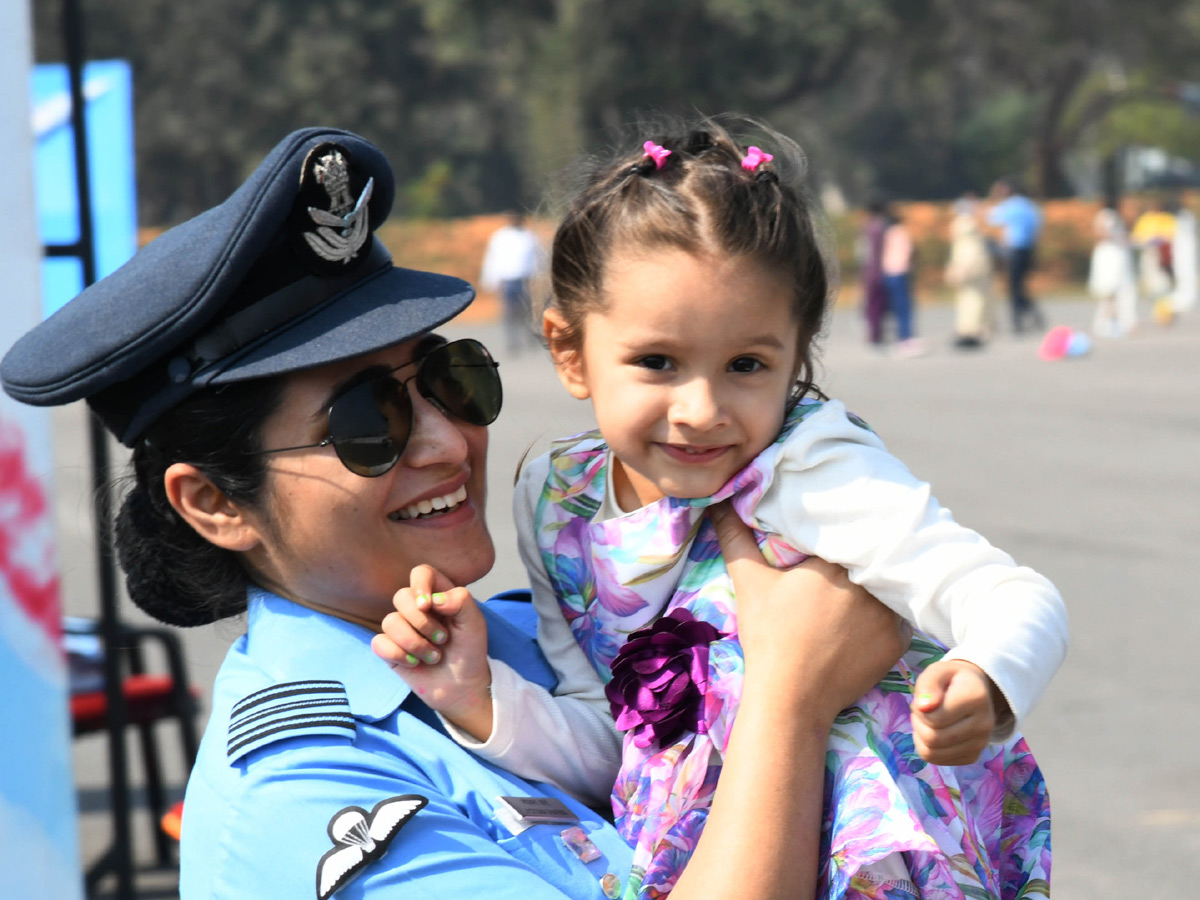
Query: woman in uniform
x=302, y=440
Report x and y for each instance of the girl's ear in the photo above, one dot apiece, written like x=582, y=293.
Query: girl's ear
x=205, y=507
x=567, y=355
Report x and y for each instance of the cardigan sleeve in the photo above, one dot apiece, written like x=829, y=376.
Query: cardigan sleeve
x=839, y=495
x=567, y=738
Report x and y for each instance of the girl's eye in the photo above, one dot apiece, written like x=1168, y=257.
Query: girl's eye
x=657, y=363
x=745, y=365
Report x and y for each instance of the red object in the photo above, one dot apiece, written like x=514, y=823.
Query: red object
x=148, y=698
x=172, y=820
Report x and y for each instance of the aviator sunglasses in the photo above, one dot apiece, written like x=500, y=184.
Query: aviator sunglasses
x=370, y=421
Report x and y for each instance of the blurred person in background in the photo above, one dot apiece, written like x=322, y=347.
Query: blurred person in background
x=510, y=262
x=1111, y=279
x=1184, y=256
x=969, y=273
x=1020, y=224
x=870, y=253
x=895, y=262
x=1153, y=237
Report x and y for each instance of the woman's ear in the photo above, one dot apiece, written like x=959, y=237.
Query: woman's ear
x=567, y=354
x=205, y=507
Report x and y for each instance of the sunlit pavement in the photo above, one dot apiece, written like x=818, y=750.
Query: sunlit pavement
x=1087, y=469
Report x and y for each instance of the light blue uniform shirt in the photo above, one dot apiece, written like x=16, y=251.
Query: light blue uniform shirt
x=1020, y=218
x=308, y=722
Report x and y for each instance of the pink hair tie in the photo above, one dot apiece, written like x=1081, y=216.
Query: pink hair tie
x=755, y=158
x=656, y=152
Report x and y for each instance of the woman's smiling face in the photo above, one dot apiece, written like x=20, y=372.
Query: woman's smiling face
x=330, y=538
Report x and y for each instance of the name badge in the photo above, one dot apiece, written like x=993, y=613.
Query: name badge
x=520, y=813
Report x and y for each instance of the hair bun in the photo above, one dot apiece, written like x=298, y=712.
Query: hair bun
x=155, y=553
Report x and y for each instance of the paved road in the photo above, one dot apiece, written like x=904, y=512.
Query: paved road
x=1086, y=469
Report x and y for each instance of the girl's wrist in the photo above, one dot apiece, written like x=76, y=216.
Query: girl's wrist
x=473, y=713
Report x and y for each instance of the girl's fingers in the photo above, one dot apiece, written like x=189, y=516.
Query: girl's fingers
x=957, y=744
x=426, y=614
x=412, y=647
x=426, y=580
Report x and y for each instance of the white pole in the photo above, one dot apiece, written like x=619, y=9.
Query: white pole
x=39, y=839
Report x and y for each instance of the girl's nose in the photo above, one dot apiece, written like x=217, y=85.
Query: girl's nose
x=696, y=405
x=436, y=438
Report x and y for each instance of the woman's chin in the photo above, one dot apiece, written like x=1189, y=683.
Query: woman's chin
x=467, y=569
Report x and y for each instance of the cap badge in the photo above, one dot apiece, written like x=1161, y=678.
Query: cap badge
x=344, y=227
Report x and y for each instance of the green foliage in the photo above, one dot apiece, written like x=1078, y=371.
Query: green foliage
x=425, y=197
x=993, y=134
x=479, y=104
x=1152, y=123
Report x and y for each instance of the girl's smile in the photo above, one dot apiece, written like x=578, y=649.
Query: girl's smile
x=687, y=455
x=689, y=364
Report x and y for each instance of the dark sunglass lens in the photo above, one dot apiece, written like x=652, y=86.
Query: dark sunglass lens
x=369, y=425
x=367, y=457
x=462, y=377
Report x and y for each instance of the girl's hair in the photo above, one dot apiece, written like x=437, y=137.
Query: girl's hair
x=172, y=572
x=701, y=200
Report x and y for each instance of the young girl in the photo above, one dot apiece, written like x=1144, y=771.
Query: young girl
x=688, y=288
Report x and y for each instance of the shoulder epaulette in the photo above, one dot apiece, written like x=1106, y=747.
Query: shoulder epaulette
x=286, y=710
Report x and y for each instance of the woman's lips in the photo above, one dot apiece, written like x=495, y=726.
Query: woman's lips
x=434, y=506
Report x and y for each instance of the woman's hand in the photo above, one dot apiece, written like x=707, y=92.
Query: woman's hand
x=814, y=643
x=436, y=640
x=809, y=626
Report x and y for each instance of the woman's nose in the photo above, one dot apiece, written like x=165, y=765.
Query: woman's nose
x=695, y=404
x=436, y=437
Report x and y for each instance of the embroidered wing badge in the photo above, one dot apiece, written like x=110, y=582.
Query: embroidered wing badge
x=360, y=838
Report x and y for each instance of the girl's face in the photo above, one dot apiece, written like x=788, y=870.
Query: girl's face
x=335, y=539
x=689, y=364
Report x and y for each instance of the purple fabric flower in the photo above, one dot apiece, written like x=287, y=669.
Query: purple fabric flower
x=660, y=678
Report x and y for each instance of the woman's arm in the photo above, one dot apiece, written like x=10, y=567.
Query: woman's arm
x=813, y=644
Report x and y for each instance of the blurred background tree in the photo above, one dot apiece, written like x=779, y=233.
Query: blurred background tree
x=479, y=103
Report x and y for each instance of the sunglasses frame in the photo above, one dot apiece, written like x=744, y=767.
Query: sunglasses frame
x=402, y=391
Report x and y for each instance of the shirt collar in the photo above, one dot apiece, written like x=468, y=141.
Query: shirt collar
x=295, y=643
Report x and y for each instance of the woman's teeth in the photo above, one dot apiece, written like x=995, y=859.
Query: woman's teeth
x=432, y=505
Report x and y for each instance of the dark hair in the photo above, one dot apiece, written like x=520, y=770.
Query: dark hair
x=700, y=200
x=172, y=572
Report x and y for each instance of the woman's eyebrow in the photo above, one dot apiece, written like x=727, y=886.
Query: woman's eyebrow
x=427, y=345
x=345, y=384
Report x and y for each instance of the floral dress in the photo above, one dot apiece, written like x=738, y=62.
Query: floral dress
x=663, y=635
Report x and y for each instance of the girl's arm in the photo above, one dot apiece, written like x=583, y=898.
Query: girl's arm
x=813, y=644
x=839, y=495
x=567, y=738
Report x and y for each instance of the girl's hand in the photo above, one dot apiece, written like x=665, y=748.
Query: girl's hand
x=808, y=629
x=436, y=640
x=955, y=710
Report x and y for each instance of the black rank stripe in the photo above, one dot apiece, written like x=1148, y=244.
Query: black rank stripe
x=239, y=723
x=287, y=689
x=346, y=722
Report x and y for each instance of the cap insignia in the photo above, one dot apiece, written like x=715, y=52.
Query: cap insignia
x=342, y=229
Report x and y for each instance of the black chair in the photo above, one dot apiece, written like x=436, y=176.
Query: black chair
x=150, y=699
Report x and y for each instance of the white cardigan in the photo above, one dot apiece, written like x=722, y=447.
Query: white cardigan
x=838, y=495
